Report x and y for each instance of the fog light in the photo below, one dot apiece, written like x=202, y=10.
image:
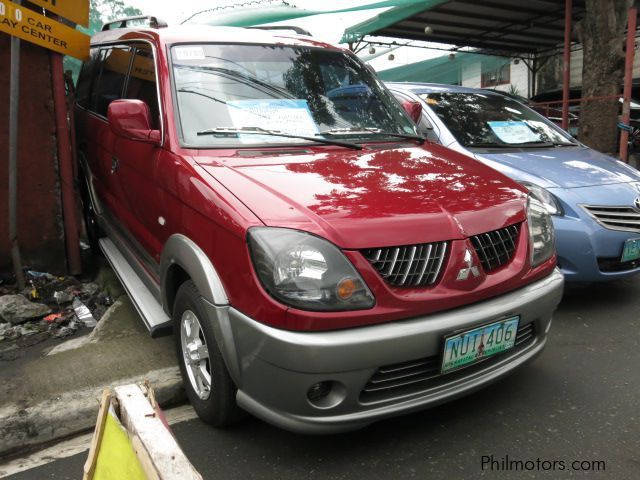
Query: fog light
x=318, y=391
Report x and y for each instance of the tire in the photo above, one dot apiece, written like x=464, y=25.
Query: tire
x=205, y=376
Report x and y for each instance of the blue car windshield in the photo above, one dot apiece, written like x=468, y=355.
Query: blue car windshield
x=488, y=120
x=299, y=91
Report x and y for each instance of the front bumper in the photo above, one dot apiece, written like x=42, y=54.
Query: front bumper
x=580, y=242
x=274, y=369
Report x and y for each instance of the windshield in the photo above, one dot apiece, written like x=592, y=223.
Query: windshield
x=304, y=91
x=479, y=120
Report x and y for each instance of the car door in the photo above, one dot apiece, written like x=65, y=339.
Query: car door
x=139, y=170
x=108, y=68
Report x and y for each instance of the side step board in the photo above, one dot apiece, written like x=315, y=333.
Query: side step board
x=155, y=318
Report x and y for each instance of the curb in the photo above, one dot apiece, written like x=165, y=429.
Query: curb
x=74, y=412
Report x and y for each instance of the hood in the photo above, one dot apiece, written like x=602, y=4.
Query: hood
x=565, y=167
x=373, y=197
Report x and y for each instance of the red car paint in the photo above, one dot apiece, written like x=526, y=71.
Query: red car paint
x=388, y=194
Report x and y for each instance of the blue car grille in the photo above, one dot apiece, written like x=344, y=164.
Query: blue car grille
x=409, y=265
x=416, y=376
x=616, y=217
x=496, y=248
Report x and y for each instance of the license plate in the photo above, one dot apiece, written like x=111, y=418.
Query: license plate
x=631, y=250
x=463, y=349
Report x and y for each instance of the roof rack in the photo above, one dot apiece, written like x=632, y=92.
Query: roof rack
x=298, y=30
x=154, y=22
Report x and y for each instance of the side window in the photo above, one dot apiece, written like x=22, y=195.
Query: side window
x=142, y=81
x=83, y=87
x=109, y=82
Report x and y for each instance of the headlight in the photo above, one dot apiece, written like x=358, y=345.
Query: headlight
x=306, y=272
x=546, y=198
x=541, y=234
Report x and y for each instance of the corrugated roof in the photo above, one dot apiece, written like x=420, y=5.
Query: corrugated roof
x=493, y=25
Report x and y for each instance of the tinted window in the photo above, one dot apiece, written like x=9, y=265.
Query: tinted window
x=108, y=85
x=486, y=120
x=83, y=88
x=142, y=81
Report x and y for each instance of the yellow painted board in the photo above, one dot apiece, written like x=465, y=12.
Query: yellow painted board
x=117, y=458
x=28, y=25
x=75, y=10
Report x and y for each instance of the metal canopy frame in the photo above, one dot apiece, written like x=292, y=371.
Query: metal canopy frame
x=496, y=26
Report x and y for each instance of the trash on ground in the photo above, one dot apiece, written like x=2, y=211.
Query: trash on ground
x=49, y=307
x=84, y=314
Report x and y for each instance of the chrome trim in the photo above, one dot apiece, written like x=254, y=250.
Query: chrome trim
x=401, y=266
x=155, y=65
x=486, y=243
x=629, y=212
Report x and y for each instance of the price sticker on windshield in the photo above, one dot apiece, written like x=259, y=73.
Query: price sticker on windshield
x=514, y=132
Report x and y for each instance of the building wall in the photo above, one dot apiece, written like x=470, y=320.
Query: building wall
x=519, y=77
x=40, y=229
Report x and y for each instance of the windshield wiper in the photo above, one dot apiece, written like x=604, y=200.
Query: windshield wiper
x=234, y=132
x=369, y=131
x=535, y=144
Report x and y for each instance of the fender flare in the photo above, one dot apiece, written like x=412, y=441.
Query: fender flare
x=184, y=252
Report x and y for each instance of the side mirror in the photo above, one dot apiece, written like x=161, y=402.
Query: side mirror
x=132, y=119
x=413, y=109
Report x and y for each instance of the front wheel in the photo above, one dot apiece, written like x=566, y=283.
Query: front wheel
x=206, y=379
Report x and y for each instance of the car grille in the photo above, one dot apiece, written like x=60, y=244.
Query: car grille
x=407, y=378
x=496, y=248
x=616, y=218
x=615, y=265
x=408, y=266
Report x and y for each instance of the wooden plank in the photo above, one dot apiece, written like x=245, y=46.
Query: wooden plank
x=90, y=464
x=157, y=450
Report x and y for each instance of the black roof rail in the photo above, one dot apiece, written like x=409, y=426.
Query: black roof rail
x=298, y=30
x=154, y=22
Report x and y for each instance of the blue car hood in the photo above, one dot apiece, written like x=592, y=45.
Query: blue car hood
x=565, y=167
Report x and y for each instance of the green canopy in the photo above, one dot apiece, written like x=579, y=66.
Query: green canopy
x=384, y=19
x=441, y=69
x=247, y=17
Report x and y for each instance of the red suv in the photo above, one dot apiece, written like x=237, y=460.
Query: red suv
x=321, y=266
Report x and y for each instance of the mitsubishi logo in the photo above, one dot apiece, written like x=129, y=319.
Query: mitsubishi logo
x=463, y=274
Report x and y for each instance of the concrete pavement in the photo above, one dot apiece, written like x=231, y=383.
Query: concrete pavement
x=48, y=397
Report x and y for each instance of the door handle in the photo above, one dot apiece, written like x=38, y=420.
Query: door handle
x=114, y=164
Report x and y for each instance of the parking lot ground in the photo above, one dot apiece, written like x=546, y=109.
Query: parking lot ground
x=578, y=401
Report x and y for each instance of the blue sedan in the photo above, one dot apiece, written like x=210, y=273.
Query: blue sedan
x=594, y=199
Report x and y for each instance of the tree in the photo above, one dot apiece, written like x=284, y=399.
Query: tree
x=100, y=11
x=602, y=34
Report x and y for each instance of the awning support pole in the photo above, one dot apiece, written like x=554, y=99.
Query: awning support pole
x=566, y=65
x=628, y=78
x=14, y=93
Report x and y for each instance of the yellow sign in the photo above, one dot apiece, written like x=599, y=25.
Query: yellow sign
x=75, y=10
x=35, y=28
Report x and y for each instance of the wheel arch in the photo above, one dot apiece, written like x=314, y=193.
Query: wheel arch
x=183, y=259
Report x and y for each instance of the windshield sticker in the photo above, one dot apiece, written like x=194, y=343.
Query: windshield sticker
x=514, y=132
x=189, y=53
x=289, y=116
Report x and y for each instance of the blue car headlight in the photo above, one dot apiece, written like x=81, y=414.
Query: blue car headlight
x=545, y=197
